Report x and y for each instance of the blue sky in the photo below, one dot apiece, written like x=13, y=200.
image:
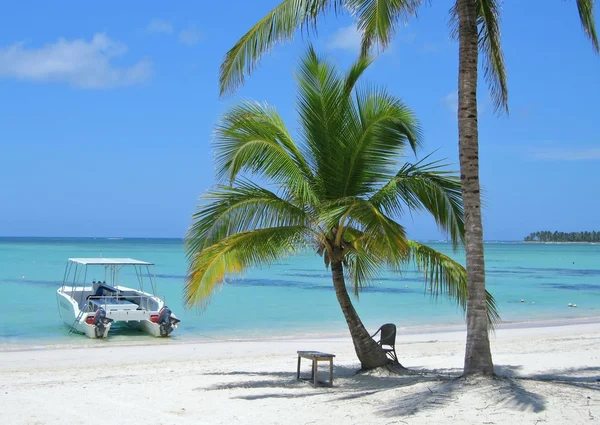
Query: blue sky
x=108, y=109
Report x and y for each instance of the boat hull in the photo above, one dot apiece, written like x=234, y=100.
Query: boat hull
x=70, y=312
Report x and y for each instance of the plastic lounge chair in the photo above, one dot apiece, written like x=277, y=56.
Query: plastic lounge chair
x=387, y=337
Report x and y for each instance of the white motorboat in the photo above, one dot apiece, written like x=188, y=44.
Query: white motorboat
x=92, y=310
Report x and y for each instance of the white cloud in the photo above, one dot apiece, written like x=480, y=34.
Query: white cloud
x=349, y=38
x=190, y=36
x=565, y=154
x=450, y=101
x=346, y=38
x=80, y=63
x=158, y=26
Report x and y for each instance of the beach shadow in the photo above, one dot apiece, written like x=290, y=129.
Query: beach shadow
x=349, y=383
x=420, y=389
x=581, y=377
x=505, y=392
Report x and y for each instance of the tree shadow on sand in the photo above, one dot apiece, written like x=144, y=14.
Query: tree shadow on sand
x=580, y=377
x=348, y=383
x=507, y=390
x=420, y=390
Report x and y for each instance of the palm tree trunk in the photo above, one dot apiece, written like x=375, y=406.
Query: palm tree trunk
x=368, y=351
x=478, y=357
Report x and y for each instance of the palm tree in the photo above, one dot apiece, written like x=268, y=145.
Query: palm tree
x=338, y=190
x=477, y=25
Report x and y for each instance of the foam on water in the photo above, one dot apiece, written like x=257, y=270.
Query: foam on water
x=295, y=296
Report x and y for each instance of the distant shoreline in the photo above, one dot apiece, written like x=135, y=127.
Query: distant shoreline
x=561, y=243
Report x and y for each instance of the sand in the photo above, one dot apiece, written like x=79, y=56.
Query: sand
x=549, y=375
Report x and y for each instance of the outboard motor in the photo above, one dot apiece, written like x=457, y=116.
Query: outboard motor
x=100, y=322
x=165, y=322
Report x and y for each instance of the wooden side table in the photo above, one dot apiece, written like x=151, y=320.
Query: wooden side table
x=316, y=356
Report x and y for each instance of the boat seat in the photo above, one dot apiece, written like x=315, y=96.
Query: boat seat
x=100, y=292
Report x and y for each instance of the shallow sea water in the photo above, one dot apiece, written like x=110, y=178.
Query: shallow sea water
x=294, y=296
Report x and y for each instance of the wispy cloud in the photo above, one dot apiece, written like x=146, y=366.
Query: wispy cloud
x=159, y=26
x=190, y=36
x=349, y=39
x=565, y=154
x=346, y=38
x=80, y=63
x=450, y=101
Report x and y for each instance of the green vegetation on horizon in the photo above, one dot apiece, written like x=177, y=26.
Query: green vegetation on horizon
x=339, y=189
x=548, y=236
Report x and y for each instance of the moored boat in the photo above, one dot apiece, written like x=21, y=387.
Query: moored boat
x=92, y=308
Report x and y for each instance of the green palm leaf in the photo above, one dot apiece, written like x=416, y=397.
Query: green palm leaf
x=242, y=208
x=586, y=15
x=252, y=137
x=376, y=20
x=429, y=187
x=234, y=254
x=278, y=26
x=443, y=275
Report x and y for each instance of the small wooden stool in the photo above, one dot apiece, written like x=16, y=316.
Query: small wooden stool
x=316, y=356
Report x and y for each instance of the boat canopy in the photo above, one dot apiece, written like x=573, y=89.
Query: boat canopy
x=109, y=262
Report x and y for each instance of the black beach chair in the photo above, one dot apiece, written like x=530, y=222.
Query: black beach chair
x=387, y=337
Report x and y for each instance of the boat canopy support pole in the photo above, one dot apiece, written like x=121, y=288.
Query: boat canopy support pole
x=140, y=278
x=83, y=285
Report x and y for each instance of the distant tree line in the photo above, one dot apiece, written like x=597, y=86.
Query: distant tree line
x=547, y=236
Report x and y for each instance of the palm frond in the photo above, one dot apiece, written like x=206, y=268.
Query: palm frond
x=355, y=72
x=242, y=208
x=380, y=234
x=362, y=265
x=488, y=22
x=278, y=26
x=586, y=15
x=252, y=137
x=326, y=116
x=489, y=44
x=386, y=128
x=425, y=186
x=443, y=275
x=234, y=254
x=376, y=20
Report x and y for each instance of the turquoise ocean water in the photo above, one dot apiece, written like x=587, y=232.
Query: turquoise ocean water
x=295, y=296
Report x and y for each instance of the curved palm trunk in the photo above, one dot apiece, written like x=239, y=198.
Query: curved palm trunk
x=368, y=351
x=478, y=357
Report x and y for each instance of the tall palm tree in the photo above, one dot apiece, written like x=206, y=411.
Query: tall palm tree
x=338, y=190
x=477, y=26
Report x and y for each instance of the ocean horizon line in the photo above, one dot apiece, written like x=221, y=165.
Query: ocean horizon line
x=172, y=238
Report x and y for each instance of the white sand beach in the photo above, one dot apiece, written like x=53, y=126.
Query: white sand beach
x=550, y=375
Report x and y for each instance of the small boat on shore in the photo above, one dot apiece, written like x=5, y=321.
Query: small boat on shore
x=91, y=309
